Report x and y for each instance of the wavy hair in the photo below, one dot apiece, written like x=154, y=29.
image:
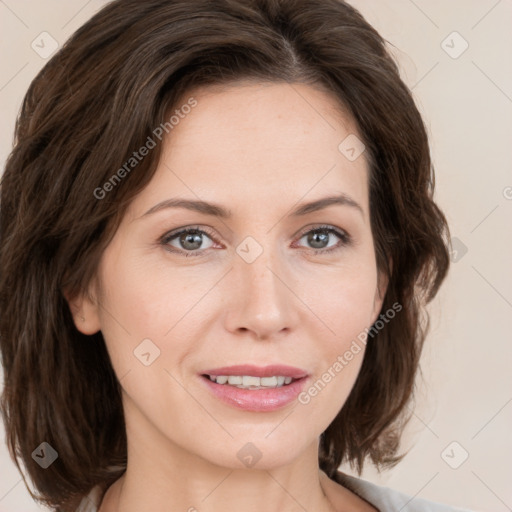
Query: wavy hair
x=93, y=104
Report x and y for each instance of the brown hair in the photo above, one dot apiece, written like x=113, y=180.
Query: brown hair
x=94, y=103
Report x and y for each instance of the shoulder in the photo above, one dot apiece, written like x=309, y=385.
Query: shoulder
x=386, y=499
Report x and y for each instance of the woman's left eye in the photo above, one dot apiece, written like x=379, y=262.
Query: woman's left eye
x=190, y=240
x=319, y=239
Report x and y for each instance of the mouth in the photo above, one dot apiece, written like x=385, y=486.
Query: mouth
x=251, y=381
x=257, y=389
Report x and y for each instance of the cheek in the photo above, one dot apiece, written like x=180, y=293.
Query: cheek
x=344, y=298
x=146, y=298
x=131, y=308
x=149, y=299
x=344, y=302
x=345, y=307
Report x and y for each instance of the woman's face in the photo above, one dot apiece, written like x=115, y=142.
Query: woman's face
x=258, y=286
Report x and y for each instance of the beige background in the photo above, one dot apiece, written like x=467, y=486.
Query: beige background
x=465, y=396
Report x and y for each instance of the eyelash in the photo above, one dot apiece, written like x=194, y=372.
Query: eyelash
x=345, y=238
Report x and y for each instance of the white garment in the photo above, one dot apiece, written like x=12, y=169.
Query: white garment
x=389, y=500
x=382, y=498
x=91, y=502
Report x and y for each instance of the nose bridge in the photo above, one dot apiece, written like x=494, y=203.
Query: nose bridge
x=262, y=301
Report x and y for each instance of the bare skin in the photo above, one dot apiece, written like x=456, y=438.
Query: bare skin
x=338, y=498
x=259, y=150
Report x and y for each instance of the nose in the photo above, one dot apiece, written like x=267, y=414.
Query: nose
x=262, y=300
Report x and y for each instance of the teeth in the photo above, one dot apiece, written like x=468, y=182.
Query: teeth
x=248, y=381
x=268, y=381
x=251, y=382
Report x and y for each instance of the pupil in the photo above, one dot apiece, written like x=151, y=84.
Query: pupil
x=320, y=238
x=194, y=239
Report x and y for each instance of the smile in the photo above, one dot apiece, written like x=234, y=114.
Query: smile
x=250, y=381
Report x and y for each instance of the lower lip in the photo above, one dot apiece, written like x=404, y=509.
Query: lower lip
x=257, y=400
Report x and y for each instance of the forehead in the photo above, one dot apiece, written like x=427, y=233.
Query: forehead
x=258, y=143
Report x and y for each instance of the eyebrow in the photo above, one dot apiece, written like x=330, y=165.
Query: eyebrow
x=215, y=210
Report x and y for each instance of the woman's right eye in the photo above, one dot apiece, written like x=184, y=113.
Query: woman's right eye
x=187, y=241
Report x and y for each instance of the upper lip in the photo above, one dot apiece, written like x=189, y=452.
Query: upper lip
x=258, y=371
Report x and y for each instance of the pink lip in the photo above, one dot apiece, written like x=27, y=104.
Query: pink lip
x=257, y=400
x=258, y=371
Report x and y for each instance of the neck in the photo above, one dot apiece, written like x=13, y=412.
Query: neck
x=225, y=490
x=162, y=475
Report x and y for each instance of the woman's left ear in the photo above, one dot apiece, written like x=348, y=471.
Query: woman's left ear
x=85, y=311
x=380, y=293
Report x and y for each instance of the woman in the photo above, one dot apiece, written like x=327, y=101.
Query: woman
x=218, y=239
